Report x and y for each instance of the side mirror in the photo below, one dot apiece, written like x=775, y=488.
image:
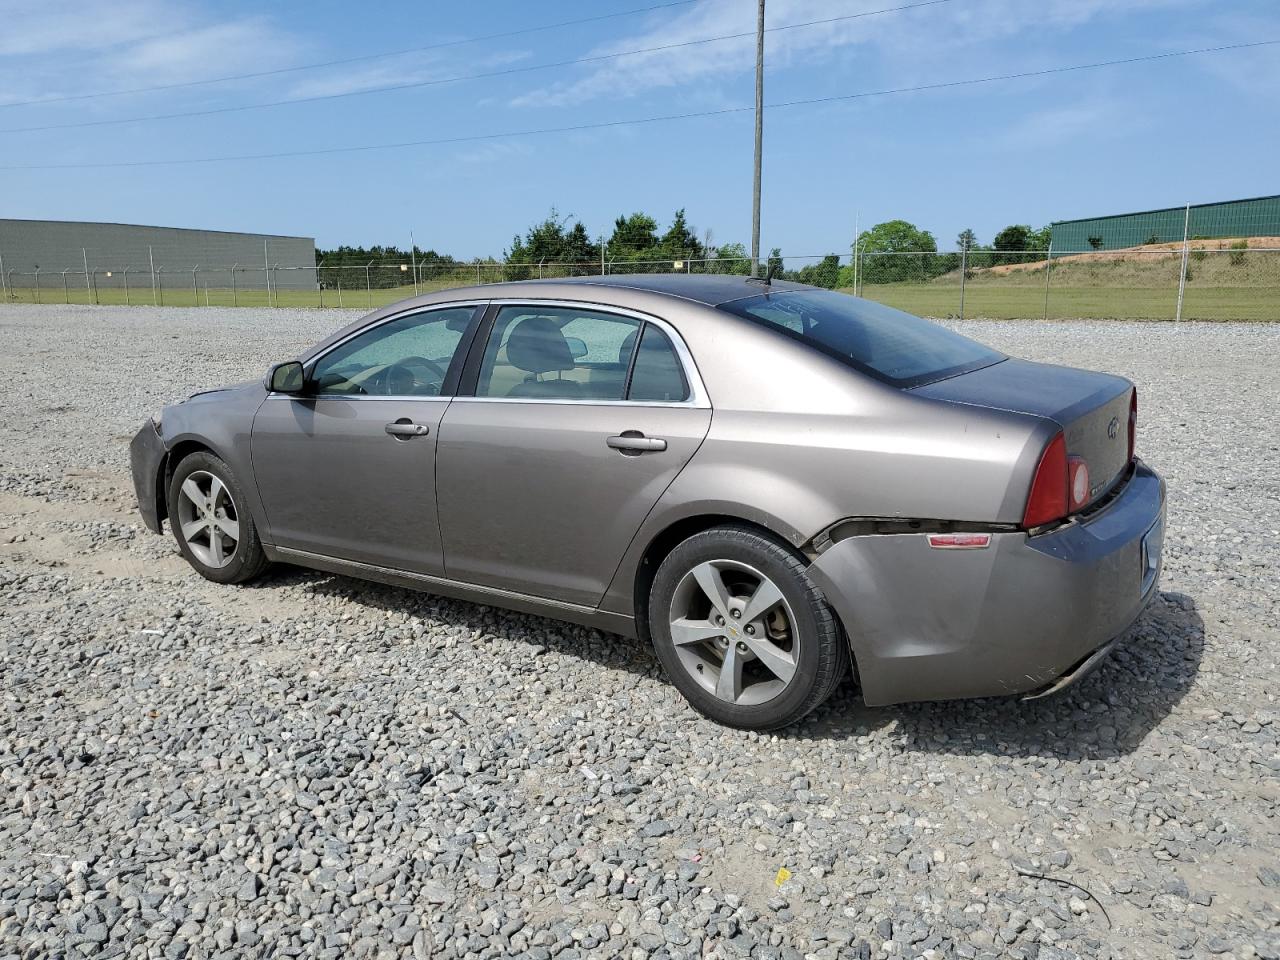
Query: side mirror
x=286, y=377
x=577, y=347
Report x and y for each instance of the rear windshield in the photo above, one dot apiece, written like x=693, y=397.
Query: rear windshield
x=899, y=348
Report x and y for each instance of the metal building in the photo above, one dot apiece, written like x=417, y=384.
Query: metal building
x=125, y=252
x=1256, y=217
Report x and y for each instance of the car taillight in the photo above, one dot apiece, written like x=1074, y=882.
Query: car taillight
x=1047, y=500
x=1078, y=481
x=1133, y=421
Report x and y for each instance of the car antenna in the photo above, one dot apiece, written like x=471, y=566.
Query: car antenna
x=767, y=279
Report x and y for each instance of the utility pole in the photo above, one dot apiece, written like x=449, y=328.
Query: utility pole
x=755, y=189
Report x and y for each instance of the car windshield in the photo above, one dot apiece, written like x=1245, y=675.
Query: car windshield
x=897, y=347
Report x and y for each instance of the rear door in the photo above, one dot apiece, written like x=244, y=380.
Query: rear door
x=580, y=417
x=347, y=469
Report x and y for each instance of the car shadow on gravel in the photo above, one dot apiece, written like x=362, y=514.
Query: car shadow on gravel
x=1107, y=714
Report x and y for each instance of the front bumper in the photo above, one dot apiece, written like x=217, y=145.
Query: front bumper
x=927, y=624
x=146, y=458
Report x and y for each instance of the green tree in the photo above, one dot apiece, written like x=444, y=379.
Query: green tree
x=897, y=251
x=825, y=273
x=681, y=241
x=633, y=236
x=730, y=258
x=1010, y=242
x=1039, y=240
x=968, y=240
x=552, y=241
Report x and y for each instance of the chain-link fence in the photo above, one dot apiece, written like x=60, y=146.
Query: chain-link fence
x=1202, y=280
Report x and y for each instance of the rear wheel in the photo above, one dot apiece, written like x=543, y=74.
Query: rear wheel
x=214, y=531
x=742, y=631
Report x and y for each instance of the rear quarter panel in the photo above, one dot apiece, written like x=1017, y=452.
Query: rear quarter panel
x=799, y=441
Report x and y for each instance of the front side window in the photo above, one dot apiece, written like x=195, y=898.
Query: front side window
x=406, y=357
x=897, y=347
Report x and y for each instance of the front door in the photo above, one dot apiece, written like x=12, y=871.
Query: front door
x=347, y=469
x=581, y=419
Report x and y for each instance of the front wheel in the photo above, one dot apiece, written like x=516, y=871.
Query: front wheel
x=214, y=531
x=742, y=631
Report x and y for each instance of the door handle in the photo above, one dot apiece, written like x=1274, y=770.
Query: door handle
x=404, y=429
x=633, y=441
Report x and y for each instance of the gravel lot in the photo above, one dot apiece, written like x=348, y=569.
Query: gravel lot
x=318, y=767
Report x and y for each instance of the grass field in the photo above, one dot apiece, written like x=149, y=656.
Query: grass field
x=1021, y=301
x=1005, y=298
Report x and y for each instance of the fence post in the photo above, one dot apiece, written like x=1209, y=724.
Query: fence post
x=4, y=280
x=235, y=298
x=339, y=288
x=602, y=264
x=964, y=269
x=152, y=256
x=160, y=284
x=195, y=290
x=37, y=283
x=1048, y=269
x=87, y=288
x=368, y=284
x=320, y=283
x=1182, y=273
x=66, y=296
x=274, y=272
x=96, y=300
x=127, y=302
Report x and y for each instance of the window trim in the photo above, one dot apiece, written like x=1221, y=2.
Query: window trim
x=453, y=377
x=466, y=392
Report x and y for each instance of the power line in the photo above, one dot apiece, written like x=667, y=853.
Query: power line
x=360, y=59
x=606, y=124
x=417, y=84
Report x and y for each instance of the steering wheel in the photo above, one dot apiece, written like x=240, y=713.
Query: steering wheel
x=431, y=365
x=400, y=379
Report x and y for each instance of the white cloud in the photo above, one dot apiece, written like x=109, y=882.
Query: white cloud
x=913, y=37
x=56, y=50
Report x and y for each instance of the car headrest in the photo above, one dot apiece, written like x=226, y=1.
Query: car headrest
x=629, y=344
x=536, y=345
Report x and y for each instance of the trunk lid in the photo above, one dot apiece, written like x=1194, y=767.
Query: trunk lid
x=1092, y=408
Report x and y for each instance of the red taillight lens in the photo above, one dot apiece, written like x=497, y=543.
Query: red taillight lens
x=1077, y=482
x=1133, y=421
x=1048, y=498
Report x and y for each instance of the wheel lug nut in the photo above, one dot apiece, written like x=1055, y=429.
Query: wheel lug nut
x=742, y=647
x=750, y=630
x=735, y=614
x=719, y=621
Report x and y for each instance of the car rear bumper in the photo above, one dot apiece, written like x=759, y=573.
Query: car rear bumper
x=146, y=458
x=1016, y=617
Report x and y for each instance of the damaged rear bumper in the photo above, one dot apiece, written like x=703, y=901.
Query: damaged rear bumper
x=1026, y=615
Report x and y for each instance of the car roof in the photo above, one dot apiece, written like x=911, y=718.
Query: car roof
x=707, y=288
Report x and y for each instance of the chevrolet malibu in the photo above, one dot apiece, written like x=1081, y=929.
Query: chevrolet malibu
x=767, y=481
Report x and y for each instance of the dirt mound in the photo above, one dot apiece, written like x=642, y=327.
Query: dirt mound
x=1144, y=253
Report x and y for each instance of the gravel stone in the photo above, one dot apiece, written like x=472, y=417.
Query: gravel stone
x=315, y=766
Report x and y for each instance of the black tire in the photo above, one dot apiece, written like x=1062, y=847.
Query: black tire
x=823, y=657
x=247, y=559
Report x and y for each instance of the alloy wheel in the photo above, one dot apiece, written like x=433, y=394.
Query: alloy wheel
x=208, y=518
x=734, y=632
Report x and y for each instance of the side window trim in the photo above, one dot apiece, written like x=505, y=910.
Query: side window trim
x=448, y=390
x=631, y=362
x=697, y=393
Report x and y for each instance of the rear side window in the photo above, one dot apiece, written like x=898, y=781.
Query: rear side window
x=557, y=353
x=657, y=376
x=893, y=346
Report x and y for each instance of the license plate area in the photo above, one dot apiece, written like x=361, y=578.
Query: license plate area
x=1152, y=547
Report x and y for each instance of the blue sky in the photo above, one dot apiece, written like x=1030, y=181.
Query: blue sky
x=1033, y=150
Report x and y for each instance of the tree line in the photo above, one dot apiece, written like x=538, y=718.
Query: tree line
x=891, y=252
